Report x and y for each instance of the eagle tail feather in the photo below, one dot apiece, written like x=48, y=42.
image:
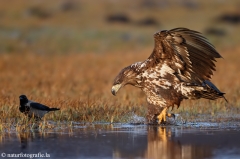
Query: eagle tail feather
x=211, y=91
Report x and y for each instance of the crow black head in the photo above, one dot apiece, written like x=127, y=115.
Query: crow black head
x=23, y=99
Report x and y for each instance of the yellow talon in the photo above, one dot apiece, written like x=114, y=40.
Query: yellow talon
x=162, y=116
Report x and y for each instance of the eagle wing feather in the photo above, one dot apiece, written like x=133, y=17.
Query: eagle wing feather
x=190, y=54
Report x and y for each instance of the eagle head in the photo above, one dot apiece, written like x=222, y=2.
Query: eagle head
x=128, y=75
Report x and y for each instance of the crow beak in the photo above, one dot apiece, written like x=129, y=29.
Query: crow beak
x=115, y=88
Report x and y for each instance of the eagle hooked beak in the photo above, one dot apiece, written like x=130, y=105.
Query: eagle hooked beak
x=115, y=88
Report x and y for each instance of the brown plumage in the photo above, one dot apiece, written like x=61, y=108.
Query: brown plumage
x=180, y=67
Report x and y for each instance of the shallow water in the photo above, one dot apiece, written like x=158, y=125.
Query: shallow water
x=124, y=141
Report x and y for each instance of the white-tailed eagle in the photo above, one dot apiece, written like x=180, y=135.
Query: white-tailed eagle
x=180, y=67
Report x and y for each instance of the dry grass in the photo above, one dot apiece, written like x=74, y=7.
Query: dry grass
x=80, y=85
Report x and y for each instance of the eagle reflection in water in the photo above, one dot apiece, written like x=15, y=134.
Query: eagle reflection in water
x=162, y=142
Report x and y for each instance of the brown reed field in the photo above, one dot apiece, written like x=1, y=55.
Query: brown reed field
x=80, y=84
x=66, y=55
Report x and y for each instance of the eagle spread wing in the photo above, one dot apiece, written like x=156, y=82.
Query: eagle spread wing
x=180, y=67
x=187, y=52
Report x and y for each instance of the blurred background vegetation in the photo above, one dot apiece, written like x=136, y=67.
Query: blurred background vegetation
x=82, y=26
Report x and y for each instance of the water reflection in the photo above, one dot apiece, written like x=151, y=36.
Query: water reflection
x=163, y=143
x=125, y=141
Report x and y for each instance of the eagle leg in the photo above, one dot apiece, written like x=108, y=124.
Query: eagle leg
x=162, y=116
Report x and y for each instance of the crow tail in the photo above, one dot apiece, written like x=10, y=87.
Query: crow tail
x=54, y=109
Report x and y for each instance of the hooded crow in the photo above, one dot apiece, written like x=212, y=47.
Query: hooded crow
x=33, y=109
